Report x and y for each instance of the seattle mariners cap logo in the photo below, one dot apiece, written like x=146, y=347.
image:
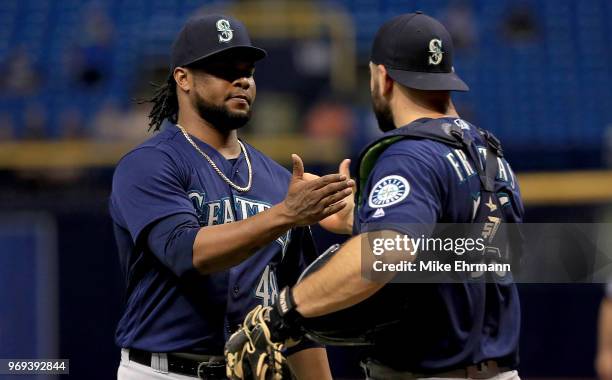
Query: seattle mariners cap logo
x=417, y=51
x=435, y=51
x=205, y=35
x=225, y=32
x=389, y=191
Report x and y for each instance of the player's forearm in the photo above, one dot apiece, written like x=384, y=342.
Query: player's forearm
x=337, y=285
x=340, y=282
x=222, y=246
x=341, y=222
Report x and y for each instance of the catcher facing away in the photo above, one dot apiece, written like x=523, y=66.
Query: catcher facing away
x=429, y=167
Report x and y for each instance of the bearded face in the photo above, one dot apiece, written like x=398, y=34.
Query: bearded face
x=220, y=116
x=224, y=92
x=382, y=109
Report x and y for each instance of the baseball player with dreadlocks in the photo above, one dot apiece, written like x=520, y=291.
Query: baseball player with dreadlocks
x=428, y=169
x=208, y=227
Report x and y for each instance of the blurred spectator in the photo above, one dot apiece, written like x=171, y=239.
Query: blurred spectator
x=113, y=124
x=275, y=114
x=20, y=75
x=608, y=146
x=329, y=119
x=71, y=123
x=520, y=24
x=7, y=130
x=105, y=125
x=92, y=60
x=312, y=58
x=34, y=121
x=460, y=21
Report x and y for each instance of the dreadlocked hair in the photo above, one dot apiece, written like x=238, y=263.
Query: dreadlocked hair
x=165, y=104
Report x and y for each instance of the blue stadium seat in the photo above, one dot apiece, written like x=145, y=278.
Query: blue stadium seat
x=552, y=91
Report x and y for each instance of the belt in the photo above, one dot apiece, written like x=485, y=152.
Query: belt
x=482, y=370
x=212, y=369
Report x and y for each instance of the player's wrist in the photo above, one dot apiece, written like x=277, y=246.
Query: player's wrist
x=284, y=216
x=285, y=319
x=347, y=223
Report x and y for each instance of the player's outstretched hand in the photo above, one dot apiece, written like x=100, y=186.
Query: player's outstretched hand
x=309, y=201
x=342, y=221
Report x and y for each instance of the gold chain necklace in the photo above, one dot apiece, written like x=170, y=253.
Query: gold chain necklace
x=216, y=168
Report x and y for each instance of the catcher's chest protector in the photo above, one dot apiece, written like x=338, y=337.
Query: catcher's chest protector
x=360, y=324
x=430, y=129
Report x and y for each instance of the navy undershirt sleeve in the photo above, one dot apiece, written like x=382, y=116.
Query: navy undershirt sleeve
x=300, y=252
x=171, y=241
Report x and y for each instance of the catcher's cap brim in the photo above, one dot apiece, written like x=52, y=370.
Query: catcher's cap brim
x=428, y=81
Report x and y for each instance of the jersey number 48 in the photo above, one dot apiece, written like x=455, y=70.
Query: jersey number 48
x=267, y=289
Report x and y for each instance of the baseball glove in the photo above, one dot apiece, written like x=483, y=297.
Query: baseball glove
x=251, y=352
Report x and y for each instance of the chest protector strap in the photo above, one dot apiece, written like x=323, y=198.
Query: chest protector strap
x=446, y=133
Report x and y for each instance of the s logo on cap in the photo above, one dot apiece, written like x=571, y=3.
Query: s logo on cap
x=225, y=32
x=435, y=48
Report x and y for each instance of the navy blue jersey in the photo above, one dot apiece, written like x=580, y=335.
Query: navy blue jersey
x=171, y=307
x=450, y=325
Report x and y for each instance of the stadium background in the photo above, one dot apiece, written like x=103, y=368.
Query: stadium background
x=540, y=78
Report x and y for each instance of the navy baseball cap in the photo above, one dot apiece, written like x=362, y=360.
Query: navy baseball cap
x=417, y=52
x=207, y=35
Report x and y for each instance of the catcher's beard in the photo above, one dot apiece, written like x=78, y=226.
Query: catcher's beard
x=220, y=117
x=382, y=111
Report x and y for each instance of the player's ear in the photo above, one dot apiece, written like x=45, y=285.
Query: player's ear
x=181, y=77
x=375, y=78
x=387, y=83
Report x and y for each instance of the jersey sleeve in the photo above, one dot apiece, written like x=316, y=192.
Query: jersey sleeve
x=301, y=251
x=171, y=241
x=404, y=194
x=147, y=187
